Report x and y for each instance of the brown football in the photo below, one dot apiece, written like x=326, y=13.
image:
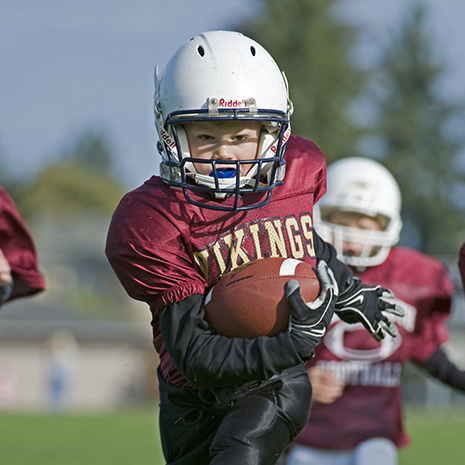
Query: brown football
x=250, y=300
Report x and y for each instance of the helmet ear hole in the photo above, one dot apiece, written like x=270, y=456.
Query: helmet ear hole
x=201, y=51
x=252, y=50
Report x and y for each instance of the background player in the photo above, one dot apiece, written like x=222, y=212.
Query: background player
x=19, y=271
x=356, y=412
x=228, y=193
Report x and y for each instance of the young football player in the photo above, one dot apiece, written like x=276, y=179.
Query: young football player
x=234, y=186
x=356, y=411
x=19, y=272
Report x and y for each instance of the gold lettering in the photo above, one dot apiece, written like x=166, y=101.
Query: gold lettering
x=295, y=239
x=276, y=239
x=307, y=229
x=219, y=257
x=236, y=250
x=254, y=231
x=201, y=258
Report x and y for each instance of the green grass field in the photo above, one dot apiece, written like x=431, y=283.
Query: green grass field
x=117, y=438
x=435, y=438
x=131, y=437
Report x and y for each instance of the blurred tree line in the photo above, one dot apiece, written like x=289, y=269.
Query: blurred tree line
x=392, y=111
x=80, y=181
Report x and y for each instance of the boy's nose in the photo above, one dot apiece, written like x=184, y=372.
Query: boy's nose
x=223, y=151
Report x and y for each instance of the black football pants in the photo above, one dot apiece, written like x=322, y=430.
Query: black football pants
x=250, y=425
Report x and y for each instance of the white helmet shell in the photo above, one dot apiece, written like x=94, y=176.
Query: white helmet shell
x=364, y=186
x=221, y=65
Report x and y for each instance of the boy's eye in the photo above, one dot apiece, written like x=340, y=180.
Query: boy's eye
x=205, y=137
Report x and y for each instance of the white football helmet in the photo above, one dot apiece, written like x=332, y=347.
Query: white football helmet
x=221, y=75
x=360, y=185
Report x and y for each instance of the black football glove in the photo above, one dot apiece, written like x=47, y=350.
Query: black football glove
x=365, y=304
x=308, y=321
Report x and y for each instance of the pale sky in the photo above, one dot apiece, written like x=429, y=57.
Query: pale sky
x=67, y=66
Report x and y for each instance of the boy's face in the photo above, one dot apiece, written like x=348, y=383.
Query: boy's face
x=223, y=140
x=358, y=221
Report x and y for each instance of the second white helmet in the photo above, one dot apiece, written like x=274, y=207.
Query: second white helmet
x=364, y=186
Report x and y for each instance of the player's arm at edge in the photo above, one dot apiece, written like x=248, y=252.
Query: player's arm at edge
x=442, y=368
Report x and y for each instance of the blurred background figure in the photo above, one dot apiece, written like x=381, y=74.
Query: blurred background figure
x=19, y=269
x=356, y=413
x=7, y=389
x=64, y=353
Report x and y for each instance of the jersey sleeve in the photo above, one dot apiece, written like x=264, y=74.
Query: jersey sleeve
x=152, y=263
x=19, y=249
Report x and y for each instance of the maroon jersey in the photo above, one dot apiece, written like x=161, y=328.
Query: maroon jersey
x=462, y=264
x=371, y=403
x=164, y=249
x=19, y=249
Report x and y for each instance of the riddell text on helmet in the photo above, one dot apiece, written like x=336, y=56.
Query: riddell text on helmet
x=167, y=139
x=222, y=103
x=285, y=138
